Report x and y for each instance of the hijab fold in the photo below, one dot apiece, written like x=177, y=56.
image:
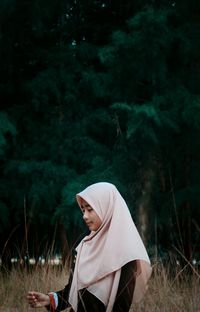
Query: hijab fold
x=102, y=254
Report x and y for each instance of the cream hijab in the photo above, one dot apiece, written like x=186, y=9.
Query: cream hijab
x=102, y=254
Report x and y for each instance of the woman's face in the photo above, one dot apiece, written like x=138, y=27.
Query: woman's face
x=90, y=216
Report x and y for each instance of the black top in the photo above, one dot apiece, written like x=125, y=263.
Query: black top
x=89, y=303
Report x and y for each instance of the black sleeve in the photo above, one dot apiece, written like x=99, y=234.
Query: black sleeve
x=126, y=288
x=63, y=295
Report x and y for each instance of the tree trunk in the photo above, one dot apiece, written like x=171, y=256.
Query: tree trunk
x=64, y=244
x=144, y=207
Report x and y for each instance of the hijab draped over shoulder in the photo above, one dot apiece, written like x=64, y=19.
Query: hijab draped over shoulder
x=102, y=254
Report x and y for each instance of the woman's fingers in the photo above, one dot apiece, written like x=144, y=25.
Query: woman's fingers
x=37, y=299
x=34, y=299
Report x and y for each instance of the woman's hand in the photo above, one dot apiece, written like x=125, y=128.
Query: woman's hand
x=37, y=299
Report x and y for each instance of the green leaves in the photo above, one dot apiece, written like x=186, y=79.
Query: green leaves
x=6, y=128
x=148, y=120
x=4, y=221
x=86, y=101
x=191, y=113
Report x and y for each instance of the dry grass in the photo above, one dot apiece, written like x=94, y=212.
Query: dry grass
x=15, y=285
x=180, y=293
x=167, y=293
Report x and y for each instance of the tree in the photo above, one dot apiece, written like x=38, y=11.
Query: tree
x=86, y=101
x=151, y=99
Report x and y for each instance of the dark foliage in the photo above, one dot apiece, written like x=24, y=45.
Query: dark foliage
x=99, y=91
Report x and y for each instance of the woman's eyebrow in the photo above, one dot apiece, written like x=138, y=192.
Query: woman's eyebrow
x=86, y=205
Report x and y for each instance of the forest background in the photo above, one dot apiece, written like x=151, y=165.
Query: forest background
x=99, y=91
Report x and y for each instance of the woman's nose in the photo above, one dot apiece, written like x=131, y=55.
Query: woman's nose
x=85, y=215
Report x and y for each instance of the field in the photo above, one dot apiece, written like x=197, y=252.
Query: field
x=179, y=292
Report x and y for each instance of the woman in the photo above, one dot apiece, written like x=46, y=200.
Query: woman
x=112, y=266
